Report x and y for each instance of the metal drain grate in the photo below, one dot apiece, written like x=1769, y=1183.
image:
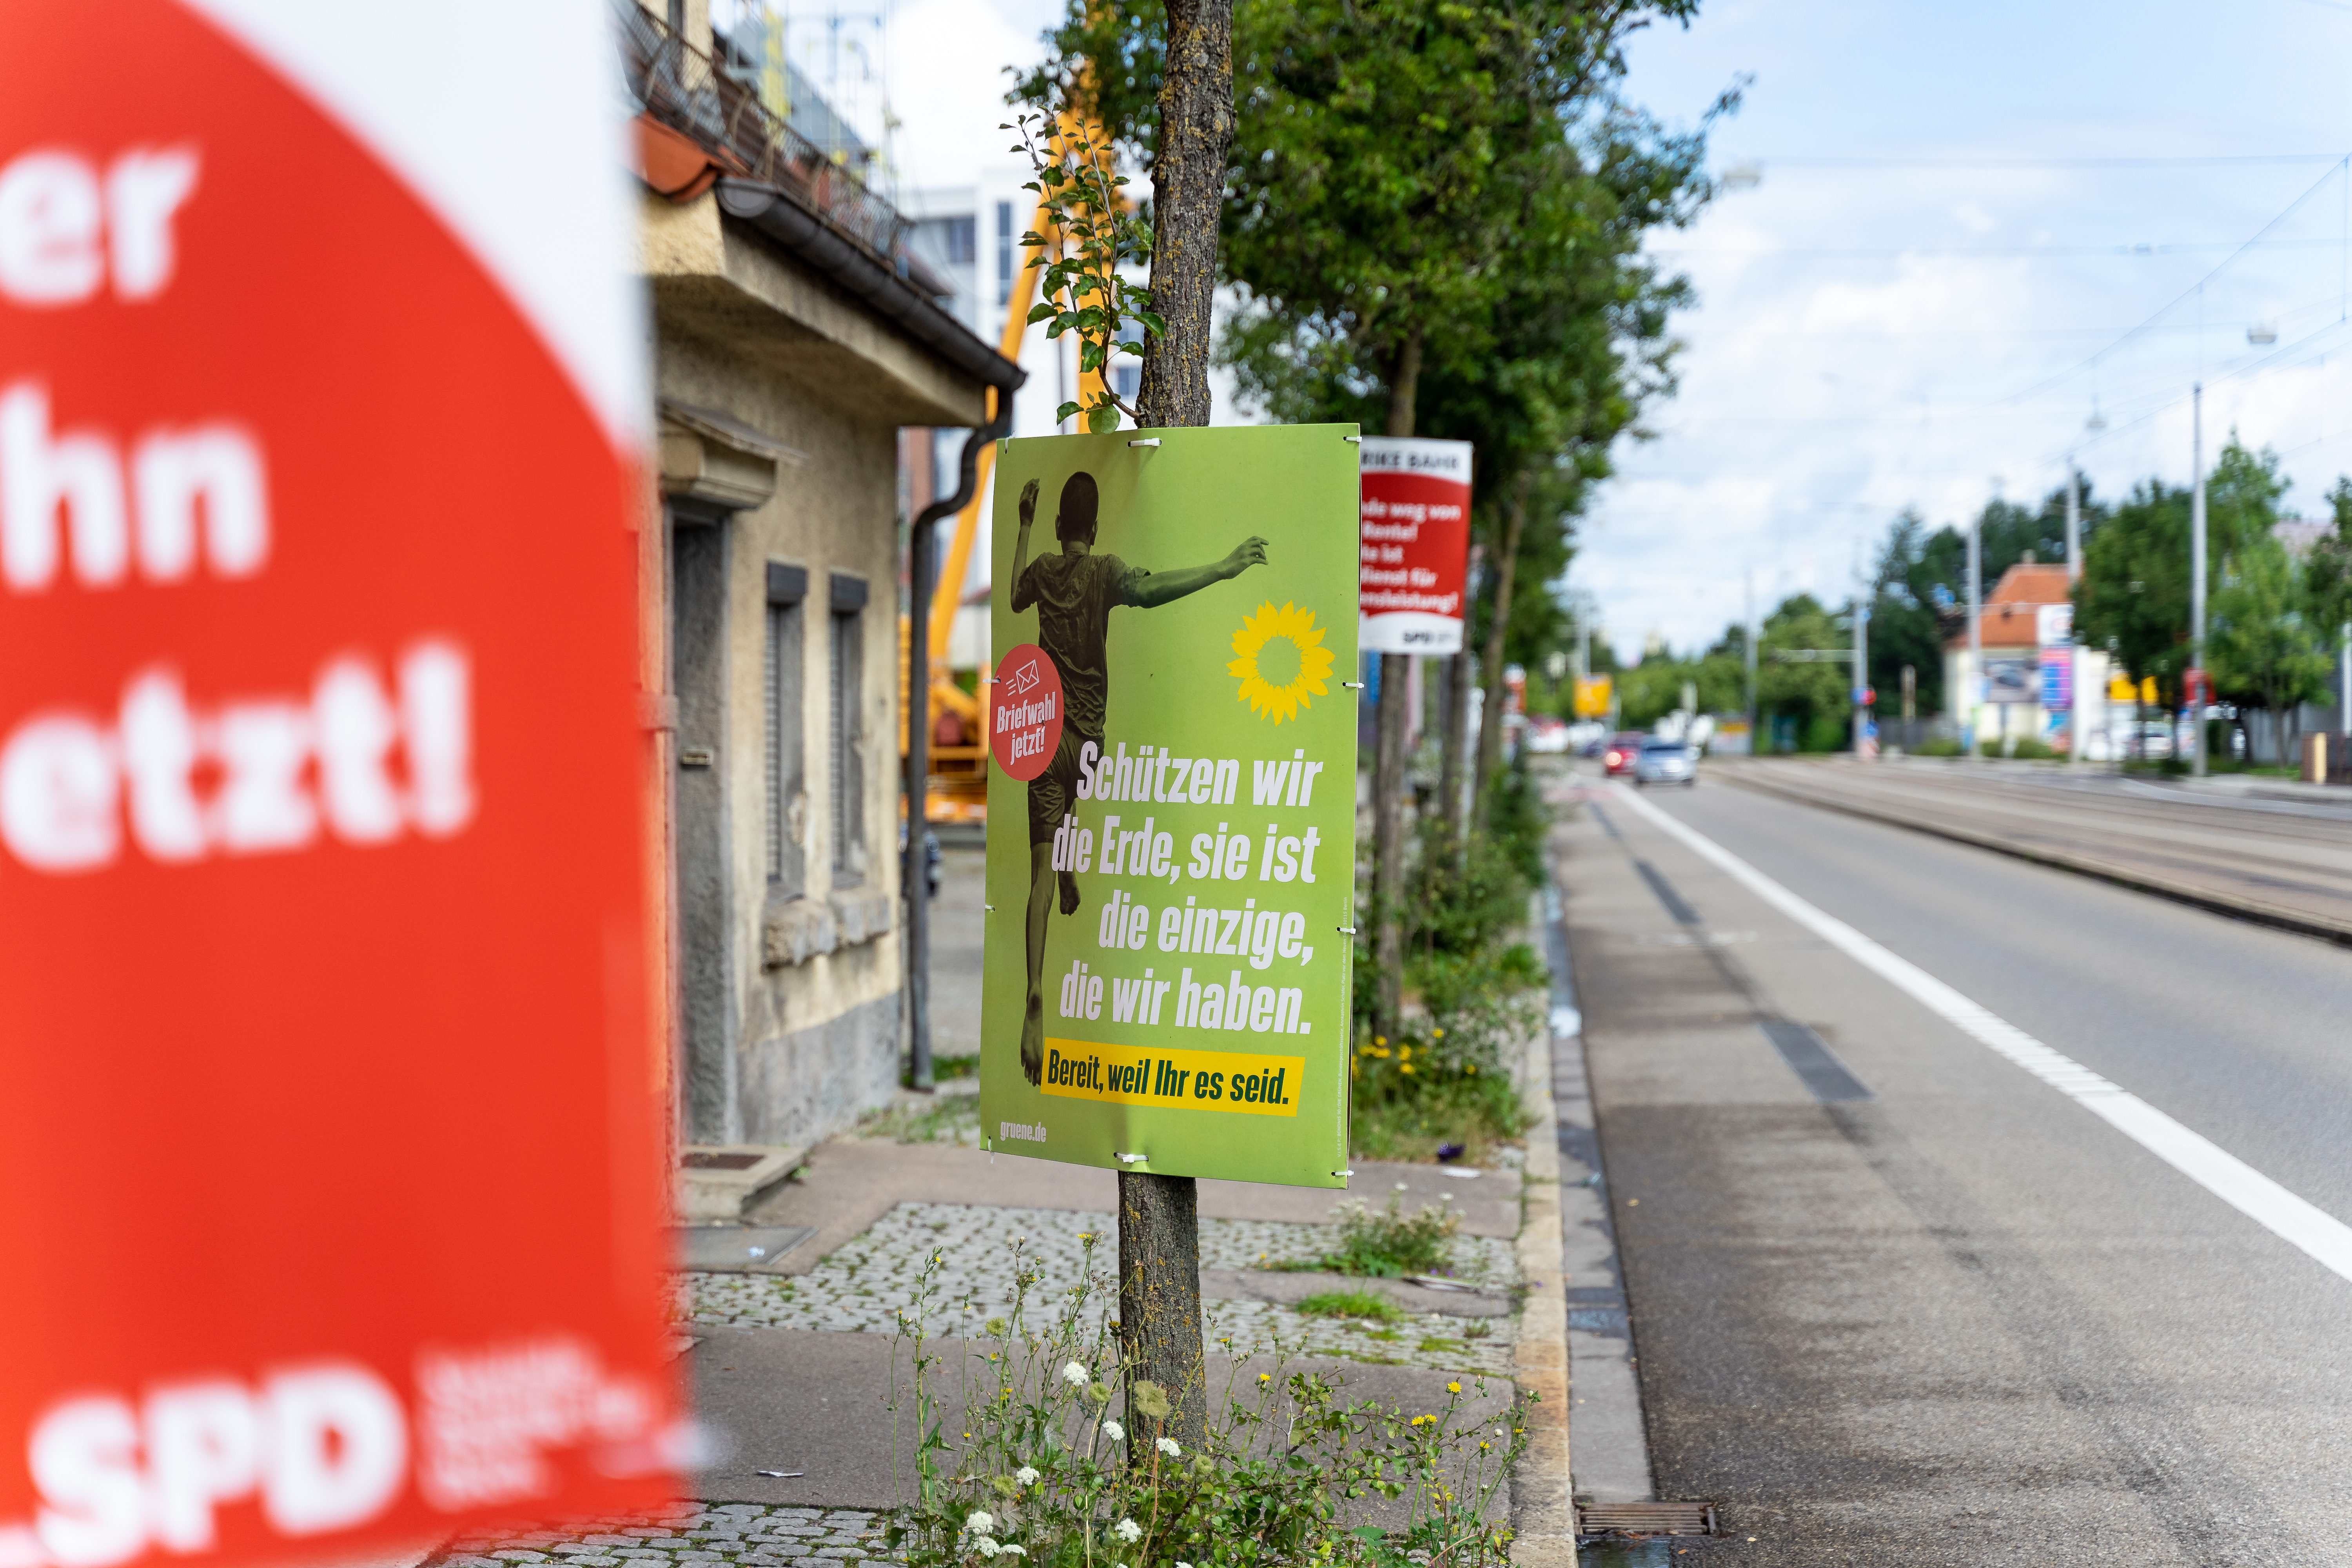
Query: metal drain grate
x=1646, y=1518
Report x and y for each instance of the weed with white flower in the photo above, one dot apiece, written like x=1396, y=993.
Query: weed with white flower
x=1043, y=1472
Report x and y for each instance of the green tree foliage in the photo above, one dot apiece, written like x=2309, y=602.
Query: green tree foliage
x=1494, y=231
x=1906, y=625
x=2328, y=571
x=1653, y=688
x=1919, y=590
x=2133, y=599
x=1812, y=695
x=2264, y=647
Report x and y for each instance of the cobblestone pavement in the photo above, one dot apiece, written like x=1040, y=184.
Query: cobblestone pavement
x=1430, y=1339
x=692, y=1535
x=864, y=1284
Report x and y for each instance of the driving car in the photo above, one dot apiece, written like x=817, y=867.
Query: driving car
x=1617, y=758
x=1666, y=762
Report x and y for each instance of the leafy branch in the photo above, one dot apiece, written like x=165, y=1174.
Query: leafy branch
x=1090, y=234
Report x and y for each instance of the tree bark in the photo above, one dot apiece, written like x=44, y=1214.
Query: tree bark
x=1388, y=757
x=1490, y=726
x=1160, y=1307
x=1187, y=193
x=1453, y=806
x=1159, y=1216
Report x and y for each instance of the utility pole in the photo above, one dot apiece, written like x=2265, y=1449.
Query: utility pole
x=1159, y=1217
x=2197, y=576
x=1861, y=657
x=1748, y=649
x=2073, y=647
x=1972, y=688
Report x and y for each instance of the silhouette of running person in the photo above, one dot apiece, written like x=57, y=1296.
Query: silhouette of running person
x=1074, y=592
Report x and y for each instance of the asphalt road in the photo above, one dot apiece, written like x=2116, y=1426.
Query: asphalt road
x=1954, y=1316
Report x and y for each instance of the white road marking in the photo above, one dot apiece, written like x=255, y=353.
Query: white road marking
x=2301, y=1224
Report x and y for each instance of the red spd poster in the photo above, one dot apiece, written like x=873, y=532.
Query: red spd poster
x=1415, y=545
x=328, y=1161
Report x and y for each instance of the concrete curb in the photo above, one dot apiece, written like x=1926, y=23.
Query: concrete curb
x=2260, y=913
x=1543, y=1509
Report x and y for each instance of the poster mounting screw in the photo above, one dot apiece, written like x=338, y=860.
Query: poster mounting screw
x=1147, y=441
x=1130, y=1159
x=1352, y=437
x=1345, y=930
x=1353, y=685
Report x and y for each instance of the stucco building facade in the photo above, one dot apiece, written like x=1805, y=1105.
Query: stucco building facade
x=791, y=341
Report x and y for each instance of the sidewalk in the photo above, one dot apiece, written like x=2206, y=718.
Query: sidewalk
x=791, y=1367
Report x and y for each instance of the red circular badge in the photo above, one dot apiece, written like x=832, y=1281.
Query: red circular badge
x=1025, y=712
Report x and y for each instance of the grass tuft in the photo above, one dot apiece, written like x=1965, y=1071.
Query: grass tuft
x=1368, y=1304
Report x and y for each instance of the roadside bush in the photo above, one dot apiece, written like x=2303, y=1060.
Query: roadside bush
x=1044, y=1473
x=1390, y=1243
x=1941, y=746
x=1828, y=733
x=1449, y=1077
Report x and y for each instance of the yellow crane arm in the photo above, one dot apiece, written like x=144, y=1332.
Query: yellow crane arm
x=950, y=593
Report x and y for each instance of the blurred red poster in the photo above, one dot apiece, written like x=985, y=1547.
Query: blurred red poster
x=329, y=1173
x=1415, y=545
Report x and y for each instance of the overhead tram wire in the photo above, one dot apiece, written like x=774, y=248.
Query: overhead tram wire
x=2342, y=167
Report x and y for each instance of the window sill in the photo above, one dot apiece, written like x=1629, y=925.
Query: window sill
x=801, y=929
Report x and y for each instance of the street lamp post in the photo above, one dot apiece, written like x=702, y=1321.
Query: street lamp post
x=1748, y=648
x=2197, y=578
x=2073, y=576
x=1972, y=690
x=1861, y=664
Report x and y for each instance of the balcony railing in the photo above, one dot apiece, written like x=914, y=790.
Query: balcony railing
x=684, y=89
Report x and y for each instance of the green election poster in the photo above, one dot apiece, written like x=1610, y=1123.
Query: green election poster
x=1171, y=811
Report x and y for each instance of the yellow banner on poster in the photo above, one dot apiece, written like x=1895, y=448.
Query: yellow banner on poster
x=1592, y=697
x=1239, y=1081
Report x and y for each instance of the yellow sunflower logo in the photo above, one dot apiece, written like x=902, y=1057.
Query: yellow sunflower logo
x=1281, y=661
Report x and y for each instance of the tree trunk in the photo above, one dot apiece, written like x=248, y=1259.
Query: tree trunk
x=1188, y=193
x=1159, y=1216
x=1490, y=726
x=1388, y=757
x=1453, y=806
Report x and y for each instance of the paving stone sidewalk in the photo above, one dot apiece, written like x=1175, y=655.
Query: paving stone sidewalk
x=868, y=1285
x=691, y=1535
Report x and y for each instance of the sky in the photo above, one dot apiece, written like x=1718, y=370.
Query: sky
x=1976, y=226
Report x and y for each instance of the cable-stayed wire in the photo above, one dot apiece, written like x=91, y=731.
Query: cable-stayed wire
x=2342, y=166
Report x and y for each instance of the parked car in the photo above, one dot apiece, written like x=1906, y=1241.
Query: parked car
x=1666, y=762
x=1624, y=747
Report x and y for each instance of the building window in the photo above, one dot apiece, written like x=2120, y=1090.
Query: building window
x=787, y=789
x=848, y=777
x=1004, y=253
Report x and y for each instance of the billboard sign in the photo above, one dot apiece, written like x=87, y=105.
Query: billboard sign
x=2011, y=678
x=2058, y=678
x=329, y=1151
x=1414, y=523
x=1169, y=946
x=2053, y=625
